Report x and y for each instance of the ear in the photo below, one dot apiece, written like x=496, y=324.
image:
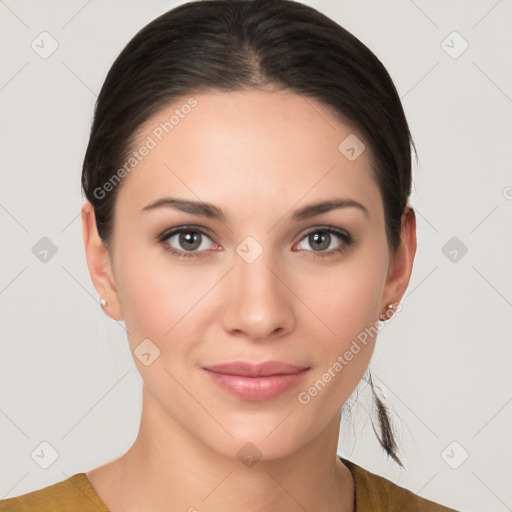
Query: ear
x=99, y=263
x=400, y=266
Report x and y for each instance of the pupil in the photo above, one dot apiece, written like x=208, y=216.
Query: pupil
x=317, y=238
x=187, y=238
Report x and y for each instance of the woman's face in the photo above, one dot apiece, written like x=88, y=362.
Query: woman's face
x=250, y=281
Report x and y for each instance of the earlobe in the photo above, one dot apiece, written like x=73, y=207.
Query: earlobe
x=99, y=264
x=400, y=267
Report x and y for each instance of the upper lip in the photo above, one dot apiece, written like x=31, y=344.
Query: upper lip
x=248, y=369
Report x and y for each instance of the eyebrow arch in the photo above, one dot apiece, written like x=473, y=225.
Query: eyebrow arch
x=211, y=211
x=317, y=208
x=193, y=207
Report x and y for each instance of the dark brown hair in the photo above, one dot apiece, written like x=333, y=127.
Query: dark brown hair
x=226, y=45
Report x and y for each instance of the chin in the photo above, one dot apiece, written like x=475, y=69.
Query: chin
x=265, y=438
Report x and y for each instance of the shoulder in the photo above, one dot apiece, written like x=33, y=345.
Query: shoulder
x=74, y=494
x=374, y=492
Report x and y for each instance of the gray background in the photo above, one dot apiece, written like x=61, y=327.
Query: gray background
x=67, y=375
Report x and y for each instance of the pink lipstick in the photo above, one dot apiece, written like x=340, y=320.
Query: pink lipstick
x=256, y=382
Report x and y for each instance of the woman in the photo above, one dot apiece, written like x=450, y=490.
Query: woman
x=247, y=181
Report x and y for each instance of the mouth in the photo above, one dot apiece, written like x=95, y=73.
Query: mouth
x=256, y=382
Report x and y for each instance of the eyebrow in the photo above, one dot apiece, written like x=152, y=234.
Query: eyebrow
x=211, y=211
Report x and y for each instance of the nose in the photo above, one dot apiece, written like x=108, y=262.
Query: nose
x=258, y=304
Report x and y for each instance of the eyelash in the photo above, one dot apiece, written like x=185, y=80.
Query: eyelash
x=343, y=235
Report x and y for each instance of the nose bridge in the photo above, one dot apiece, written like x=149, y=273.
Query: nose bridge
x=258, y=303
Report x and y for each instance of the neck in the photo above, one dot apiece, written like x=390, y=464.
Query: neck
x=167, y=464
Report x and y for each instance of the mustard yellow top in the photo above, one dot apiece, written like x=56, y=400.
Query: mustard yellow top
x=373, y=493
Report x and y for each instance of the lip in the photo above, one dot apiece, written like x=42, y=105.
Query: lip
x=256, y=382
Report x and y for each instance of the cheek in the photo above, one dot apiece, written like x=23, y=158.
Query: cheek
x=162, y=303
x=346, y=301
x=157, y=295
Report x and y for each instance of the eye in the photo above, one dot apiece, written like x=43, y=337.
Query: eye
x=186, y=241
x=323, y=241
x=190, y=241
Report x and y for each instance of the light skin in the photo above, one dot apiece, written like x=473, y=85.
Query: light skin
x=259, y=156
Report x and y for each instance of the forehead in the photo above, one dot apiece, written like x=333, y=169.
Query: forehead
x=248, y=147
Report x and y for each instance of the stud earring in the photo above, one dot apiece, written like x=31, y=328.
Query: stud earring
x=103, y=303
x=387, y=314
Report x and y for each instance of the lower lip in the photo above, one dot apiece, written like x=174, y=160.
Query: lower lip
x=257, y=389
